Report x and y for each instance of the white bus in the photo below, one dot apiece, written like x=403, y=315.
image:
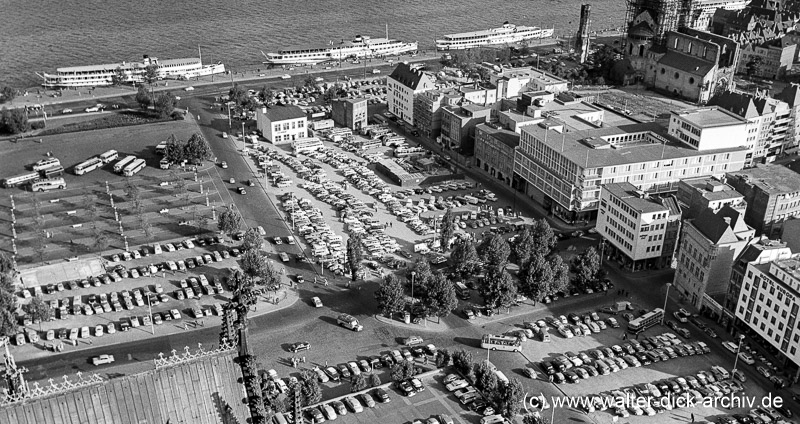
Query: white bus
x=49, y=184
x=88, y=166
x=134, y=167
x=161, y=148
x=646, y=321
x=20, y=179
x=119, y=166
x=109, y=156
x=493, y=342
x=55, y=171
x=46, y=163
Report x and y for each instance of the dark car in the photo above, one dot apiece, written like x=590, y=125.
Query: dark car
x=572, y=377
x=381, y=395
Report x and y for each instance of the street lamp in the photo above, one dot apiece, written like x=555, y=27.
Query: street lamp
x=413, y=275
x=666, y=297
x=736, y=359
x=150, y=311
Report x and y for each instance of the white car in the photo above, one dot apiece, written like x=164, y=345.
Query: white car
x=286, y=76
x=189, y=89
x=730, y=346
x=747, y=358
x=102, y=359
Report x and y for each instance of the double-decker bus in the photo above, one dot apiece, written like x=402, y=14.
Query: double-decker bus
x=134, y=167
x=493, y=342
x=20, y=179
x=119, y=166
x=88, y=166
x=109, y=156
x=646, y=321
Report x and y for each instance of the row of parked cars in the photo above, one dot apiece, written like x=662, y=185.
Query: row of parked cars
x=570, y=367
x=470, y=397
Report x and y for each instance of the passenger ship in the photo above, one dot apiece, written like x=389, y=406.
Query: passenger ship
x=101, y=75
x=506, y=34
x=361, y=46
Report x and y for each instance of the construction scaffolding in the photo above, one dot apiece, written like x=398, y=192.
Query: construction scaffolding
x=665, y=15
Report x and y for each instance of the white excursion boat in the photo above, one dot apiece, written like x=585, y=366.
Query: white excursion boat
x=361, y=46
x=102, y=75
x=506, y=34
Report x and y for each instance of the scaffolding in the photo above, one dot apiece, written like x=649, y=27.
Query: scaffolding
x=666, y=15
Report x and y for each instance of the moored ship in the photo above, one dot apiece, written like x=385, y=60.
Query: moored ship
x=359, y=47
x=104, y=75
x=506, y=34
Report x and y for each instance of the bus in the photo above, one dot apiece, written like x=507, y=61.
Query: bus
x=55, y=171
x=20, y=179
x=134, y=167
x=508, y=343
x=462, y=291
x=119, y=166
x=49, y=184
x=46, y=163
x=161, y=148
x=650, y=319
x=109, y=156
x=88, y=166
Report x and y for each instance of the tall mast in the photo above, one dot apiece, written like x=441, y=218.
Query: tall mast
x=387, y=30
x=200, y=53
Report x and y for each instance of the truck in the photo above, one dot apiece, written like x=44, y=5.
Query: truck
x=349, y=322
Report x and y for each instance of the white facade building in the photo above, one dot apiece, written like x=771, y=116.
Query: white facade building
x=709, y=128
x=282, y=124
x=402, y=86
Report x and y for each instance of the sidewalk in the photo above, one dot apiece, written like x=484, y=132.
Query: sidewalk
x=264, y=306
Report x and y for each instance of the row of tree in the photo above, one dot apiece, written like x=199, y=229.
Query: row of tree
x=163, y=103
x=13, y=121
x=435, y=291
x=194, y=150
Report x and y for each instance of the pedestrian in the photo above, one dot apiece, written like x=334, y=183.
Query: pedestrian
x=326, y=364
x=425, y=361
x=692, y=417
x=637, y=336
x=624, y=336
x=304, y=359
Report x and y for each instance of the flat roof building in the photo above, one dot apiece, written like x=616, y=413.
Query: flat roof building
x=698, y=194
x=495, y=149
x=772, y=193
x=708, y=128
x=350, y=113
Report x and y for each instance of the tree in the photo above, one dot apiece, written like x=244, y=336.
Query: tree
x=309, y=81
x=14, y=121
x=165, y=103
x=358, y=383
x=354, y=254
x=243, y=295
x=586, y=266
x=462, y=360
x=118, y=77
x=402, y=370
x=38, y=310
x=485, y=377
x=237, y=94
x=422, y=276
x=443, y=358
x=390, y=296
x=534, y=418
x=266, y=94
x=175, y=152
x=536, y=278
x=150, y=75
x=440, y=299
x=330, y=94
x=197, y=148
x=509, y=398
x=7, y=94
x=544, y=237
x=310, y=391
x=465, y=257
x=375, y=380
x=229, y=221
x=252, y=263
x=252, y=240
x=498, y=289
x=143, y=97
x=495, y=251
x=447, y=230
x=560, y=274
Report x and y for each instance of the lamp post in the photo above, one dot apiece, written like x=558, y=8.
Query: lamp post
x=413, y=275
x=666, y=297
x=150, y=311
x=736, y=359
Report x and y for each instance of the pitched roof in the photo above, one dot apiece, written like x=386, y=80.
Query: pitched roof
x=282, y=113
x=686, y=63
x=715, y=228
x=790, y=94
x=739, y=103
x=407, y=76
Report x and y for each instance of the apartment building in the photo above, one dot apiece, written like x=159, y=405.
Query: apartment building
x=772, y=193
x=699, y=13
x=698, y=194
x=641, y=231
x=428, y=109
x=458, y=126
x=511, y=82
x=350, y=113
x=402, y=86
x=791, y=96
x=565, y=161
x=768, y=305
x=495, y=149
x=709, y=245
x=281, y=124
x=774, y=59
x=769, y=128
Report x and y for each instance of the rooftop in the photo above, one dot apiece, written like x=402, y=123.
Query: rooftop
x=407, y=76
x=571, y=144
x=710, y=117
x=507, y=137
x=722, y=227
x=529, y=73
x=712, y=189
x=773, y=179
x=282, y=113
x=633, y=197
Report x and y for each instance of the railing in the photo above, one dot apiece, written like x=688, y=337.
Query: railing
x=188, y=356
x=7, y=399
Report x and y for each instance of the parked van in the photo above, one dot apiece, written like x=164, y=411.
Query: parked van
x=721, y=372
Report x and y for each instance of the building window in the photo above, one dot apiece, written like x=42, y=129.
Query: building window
x=677, y=75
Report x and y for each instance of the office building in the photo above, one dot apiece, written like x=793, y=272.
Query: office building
x=402, y=86
x=772, y=193
x=350, y=113
x=511, y=82
x=458, y=126
x=281, y=124
x=640, y=231
x=428, y=109
x=708, y=128
x=495, y=149
x=709, y=244
x=698, y=194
